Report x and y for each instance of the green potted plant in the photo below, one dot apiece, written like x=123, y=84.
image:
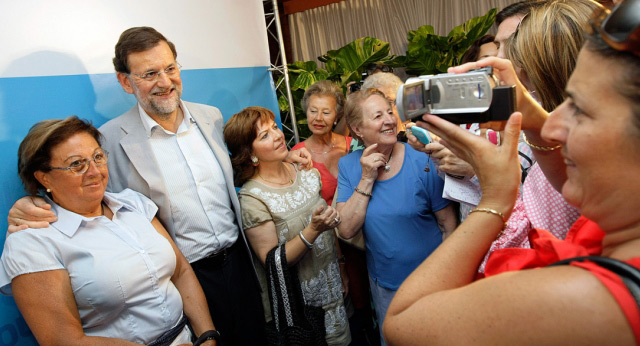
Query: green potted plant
x=342, y=66
x=428, y=53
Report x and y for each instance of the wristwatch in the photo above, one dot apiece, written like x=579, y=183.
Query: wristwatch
x=208, y=335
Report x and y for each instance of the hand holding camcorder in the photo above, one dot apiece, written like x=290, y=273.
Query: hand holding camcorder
x=465, y=98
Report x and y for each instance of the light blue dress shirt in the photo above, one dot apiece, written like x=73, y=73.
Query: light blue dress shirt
x=200, y=204
x=120, y=269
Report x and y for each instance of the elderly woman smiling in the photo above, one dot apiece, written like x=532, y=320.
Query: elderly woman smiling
x=386, y=191
x=106, y=272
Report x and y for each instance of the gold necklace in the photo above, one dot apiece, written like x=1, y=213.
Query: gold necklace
x=324, y=152
x=273, y=182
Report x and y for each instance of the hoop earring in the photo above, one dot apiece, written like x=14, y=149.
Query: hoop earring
x=255, y=161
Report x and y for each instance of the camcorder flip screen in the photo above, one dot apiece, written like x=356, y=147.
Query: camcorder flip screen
x=472, y=97
x=414, y=99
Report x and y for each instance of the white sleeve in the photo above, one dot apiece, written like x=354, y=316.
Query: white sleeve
x=28, y=251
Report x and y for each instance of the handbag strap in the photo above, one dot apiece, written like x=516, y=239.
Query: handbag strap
x=283, y=284
x=286, y=299
x=629, y=274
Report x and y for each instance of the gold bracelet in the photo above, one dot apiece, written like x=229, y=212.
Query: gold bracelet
x=538, y=147
x=368, y=194
x=494, y=212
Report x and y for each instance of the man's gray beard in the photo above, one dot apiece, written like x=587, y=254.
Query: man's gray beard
x=165, y=111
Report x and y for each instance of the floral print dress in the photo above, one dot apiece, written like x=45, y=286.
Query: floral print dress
x=290, y=208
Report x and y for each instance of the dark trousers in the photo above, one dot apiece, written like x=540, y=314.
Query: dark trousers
x=233, y=295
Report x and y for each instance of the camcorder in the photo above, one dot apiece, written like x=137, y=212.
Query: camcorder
x=472, y=97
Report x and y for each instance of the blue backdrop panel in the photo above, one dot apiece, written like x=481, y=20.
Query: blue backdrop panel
x=25, y=101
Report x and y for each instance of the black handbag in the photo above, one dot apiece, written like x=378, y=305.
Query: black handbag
x=294, y=323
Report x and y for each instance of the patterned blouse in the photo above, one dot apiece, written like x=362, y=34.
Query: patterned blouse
x=290, y=208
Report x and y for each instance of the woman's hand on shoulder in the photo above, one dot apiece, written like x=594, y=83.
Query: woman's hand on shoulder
x=324, y=218
x=371, y=161
x=301, y=156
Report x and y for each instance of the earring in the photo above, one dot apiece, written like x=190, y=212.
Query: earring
x=48, y=190
x=254, y=160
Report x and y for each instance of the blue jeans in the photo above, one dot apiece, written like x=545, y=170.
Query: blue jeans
x=381, y=299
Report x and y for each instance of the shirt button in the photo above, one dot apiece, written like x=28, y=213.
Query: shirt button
x=141, y=251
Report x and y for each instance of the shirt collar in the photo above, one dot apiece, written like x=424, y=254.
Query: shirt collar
x=149, y=124
x=69, y=222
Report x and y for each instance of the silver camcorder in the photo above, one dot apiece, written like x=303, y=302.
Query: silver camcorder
x=465, y=98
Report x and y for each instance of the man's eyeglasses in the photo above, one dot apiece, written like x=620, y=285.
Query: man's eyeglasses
x=152, y=76
x=81, y=166
x=620, y=28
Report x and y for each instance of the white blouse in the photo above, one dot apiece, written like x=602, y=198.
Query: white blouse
x=120, y=269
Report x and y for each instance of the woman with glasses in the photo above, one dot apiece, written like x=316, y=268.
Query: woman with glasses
x=577, y=301
x=106, y=272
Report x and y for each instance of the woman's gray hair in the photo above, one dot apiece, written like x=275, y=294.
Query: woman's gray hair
x=383, y=80
x=325, y=88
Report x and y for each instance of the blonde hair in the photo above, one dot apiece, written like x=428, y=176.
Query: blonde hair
x=546, y=45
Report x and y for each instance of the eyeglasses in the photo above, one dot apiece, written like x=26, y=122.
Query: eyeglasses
x=620, y=28
x=371, y=68
x=81, y=166
x=152, y=76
